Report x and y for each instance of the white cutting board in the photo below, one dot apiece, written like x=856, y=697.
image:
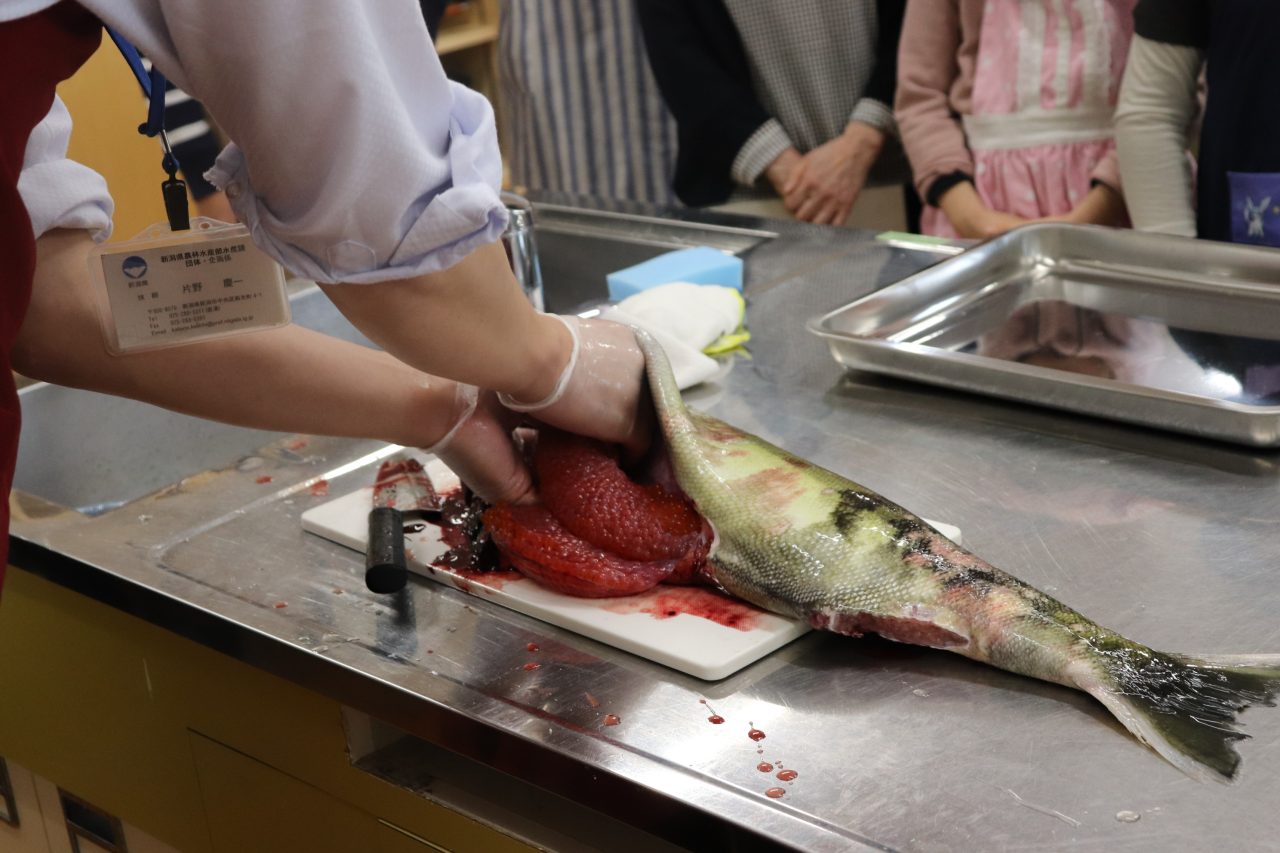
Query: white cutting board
x=641, y=624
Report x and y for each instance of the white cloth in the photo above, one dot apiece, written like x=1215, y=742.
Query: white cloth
x=61, y=193
x=684, y=318
x=1158, y=103
x=355, y=160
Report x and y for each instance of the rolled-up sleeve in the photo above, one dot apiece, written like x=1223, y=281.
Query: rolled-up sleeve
x=354, y=159
x=57, y=192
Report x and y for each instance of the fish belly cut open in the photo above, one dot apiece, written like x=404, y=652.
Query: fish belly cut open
x=598, y=533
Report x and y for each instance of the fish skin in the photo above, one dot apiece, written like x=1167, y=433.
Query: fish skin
x=799, y=540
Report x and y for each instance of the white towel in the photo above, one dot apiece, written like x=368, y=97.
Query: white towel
x=685, y=318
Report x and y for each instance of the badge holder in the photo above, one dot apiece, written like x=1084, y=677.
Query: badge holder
x=165, y=288
x=186, y=281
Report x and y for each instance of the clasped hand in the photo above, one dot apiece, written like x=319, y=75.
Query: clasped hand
x=822, y=186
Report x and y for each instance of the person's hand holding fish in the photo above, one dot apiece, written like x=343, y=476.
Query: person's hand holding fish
x=600, y=393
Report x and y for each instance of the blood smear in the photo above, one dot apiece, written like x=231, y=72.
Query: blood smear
x=264, y=479
x=533, y=647
x=319, y=488
x=530, y=667
x=666, y=602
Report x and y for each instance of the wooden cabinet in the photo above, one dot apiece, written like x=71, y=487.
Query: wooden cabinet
x=200, y=751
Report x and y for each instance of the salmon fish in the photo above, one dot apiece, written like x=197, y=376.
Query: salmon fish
x=796, y=539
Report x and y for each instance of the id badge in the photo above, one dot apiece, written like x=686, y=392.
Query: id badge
x=166, y=288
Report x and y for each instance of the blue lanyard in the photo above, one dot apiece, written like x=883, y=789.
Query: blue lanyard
x=174, y=190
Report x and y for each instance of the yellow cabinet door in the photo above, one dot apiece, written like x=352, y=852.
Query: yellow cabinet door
x=251, y=806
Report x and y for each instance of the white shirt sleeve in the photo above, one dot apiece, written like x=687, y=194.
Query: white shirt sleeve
x=61, y=193
x=1158, y=102
x=355, y=159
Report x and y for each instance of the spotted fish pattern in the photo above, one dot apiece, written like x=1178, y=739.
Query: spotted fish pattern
x=799, y=540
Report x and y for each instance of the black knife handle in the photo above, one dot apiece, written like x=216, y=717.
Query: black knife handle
x=384, y=568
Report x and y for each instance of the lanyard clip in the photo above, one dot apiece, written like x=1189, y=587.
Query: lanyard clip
x=174, y=189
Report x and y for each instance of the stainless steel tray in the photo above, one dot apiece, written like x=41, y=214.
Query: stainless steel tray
x=1163, y=331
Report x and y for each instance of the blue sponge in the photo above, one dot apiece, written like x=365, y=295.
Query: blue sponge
x=699, y=265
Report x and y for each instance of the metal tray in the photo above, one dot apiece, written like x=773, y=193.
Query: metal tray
x=1156, y=330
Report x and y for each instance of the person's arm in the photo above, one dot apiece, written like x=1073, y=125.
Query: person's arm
x=701, y=70
x=927, y=68
x=825, y=183
x=289, y=379
x=356, y=162
x=875, y=107
x=1102, y=205
x=1158, y=101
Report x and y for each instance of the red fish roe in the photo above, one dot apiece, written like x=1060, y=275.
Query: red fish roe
x=533, y=647
x=537, y=545
x=715, y=719
x=775, y=792
x=764, y=767
x=756, y=735
x=787, y=775
x=611, y=719
x=586, y=489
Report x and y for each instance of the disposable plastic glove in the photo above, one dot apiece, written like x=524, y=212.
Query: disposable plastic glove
x=602, y=391
x=481, y=449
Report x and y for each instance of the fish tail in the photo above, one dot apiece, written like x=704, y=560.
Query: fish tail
x=1184, y=707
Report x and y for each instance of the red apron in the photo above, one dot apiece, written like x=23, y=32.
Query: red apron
x=36, y=53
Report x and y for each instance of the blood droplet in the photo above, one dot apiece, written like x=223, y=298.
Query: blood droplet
x=715, y=719
x=611, y=719
x=264, y=479
x=533, y=647
x=337, y=590
x=756, y=735
x=775, y=792
x=787, y=775
x=591, y=700
x=764, y=767
x=280, y=605
x=530, y=667
x=319, y=488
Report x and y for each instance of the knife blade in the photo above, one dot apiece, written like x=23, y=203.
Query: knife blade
x=402, y=489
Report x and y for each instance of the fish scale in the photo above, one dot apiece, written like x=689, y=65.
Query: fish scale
x=804, y=541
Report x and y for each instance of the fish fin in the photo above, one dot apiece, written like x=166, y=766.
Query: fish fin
x=1184, y=707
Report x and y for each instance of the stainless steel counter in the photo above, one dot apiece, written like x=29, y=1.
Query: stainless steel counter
x=1170, y=540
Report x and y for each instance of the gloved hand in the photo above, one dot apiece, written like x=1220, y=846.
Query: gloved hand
x=481, y=449
x=602, y=391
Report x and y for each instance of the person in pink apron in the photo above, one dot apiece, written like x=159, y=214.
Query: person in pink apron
x=1005, y=109
x=383, y=187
